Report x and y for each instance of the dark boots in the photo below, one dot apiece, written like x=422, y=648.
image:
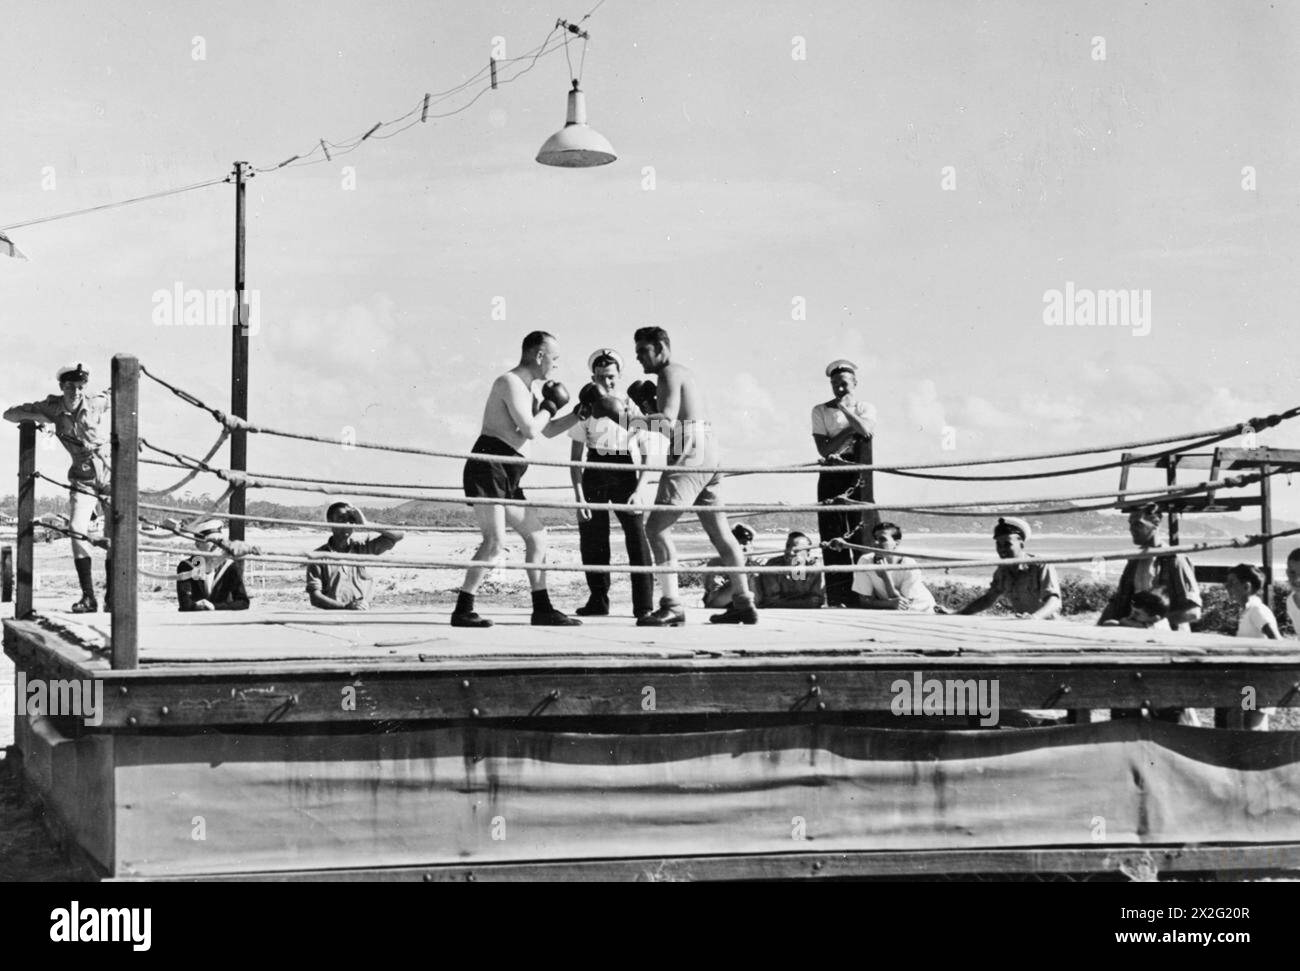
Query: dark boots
x=87, y=604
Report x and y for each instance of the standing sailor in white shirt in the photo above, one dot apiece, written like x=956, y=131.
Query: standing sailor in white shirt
x=843, y=429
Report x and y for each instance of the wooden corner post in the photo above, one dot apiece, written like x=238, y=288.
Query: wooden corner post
x=26, y=516
x=125, y=506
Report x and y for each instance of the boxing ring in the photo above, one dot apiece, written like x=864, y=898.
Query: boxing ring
x=304, y=744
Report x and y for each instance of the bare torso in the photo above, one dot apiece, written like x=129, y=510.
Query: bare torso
x=691, y=439
x=691, y=403
x=497, y=420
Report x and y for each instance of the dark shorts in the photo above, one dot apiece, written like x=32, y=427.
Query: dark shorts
x=493, y=480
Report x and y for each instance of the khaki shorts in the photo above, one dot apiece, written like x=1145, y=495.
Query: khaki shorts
x=690, y=487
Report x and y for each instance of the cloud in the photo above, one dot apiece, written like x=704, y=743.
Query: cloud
x=925, y=410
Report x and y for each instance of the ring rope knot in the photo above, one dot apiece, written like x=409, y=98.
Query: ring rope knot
x=233, y=422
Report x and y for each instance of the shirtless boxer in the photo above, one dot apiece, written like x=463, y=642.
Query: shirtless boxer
x=680, y=414
x=511, y=418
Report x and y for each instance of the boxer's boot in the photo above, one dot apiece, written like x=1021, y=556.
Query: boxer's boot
x=85, y=576
x=464, y=615
x=545, y=614
x=669, y=614
x=739, y=611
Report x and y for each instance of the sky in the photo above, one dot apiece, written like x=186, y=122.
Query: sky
x=901, y=184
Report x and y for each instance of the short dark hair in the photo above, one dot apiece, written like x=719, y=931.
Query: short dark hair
x=655, y=335
x=893, y=530
x=796, y=534
x=605, y=360
x=535, y=339
x=1150, y=602
x=1251, y=576
x=1293, y=555
x=334, y=513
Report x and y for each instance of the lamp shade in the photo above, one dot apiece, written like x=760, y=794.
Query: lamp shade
x=576, y=146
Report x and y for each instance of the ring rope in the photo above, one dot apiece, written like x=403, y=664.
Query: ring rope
x=225, y=433
x=1229, y=482
x=967, y=508
x=102, y=543
x=754, y=508
x=388, y=562
x=298, y=478
x=235, y=423
x=896, y=551
x=1078, y=470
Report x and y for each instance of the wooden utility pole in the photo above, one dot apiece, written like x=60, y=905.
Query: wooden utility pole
x=239, y=360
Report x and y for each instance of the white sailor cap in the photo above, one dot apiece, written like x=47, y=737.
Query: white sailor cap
x=1012, y=524
x=209, y=527
x=72, y=372
x=608, y=352
x=840, y=364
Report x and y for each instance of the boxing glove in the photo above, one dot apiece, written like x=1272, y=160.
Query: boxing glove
x=587, y=399
x=644, y=395
x=554, y=397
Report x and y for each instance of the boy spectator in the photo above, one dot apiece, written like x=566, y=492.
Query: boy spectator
x=1293, y=598
x=1147, y=609
x=1244, y=585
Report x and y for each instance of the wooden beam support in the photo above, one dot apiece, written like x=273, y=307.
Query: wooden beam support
x=26, y=517
x=1126, y=860
x=125, y=514
x=180, y=699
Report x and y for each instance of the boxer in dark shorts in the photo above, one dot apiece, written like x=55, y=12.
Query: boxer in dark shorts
x=493, y=480
x=512, y=417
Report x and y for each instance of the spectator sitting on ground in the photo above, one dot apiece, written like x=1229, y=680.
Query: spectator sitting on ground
x=213, y=582
x=798, y=588
x=331, y=587
x=893, y=589
x=1147, y=609
x=717, y=586
x=1031, y=589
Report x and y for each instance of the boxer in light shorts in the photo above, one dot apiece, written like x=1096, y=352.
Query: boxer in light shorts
x=676, y=409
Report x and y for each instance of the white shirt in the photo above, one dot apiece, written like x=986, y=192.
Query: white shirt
x=830, y=421
x=908, y=583
x=1293, y=611
x=602, y=433
x=1255, y=616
